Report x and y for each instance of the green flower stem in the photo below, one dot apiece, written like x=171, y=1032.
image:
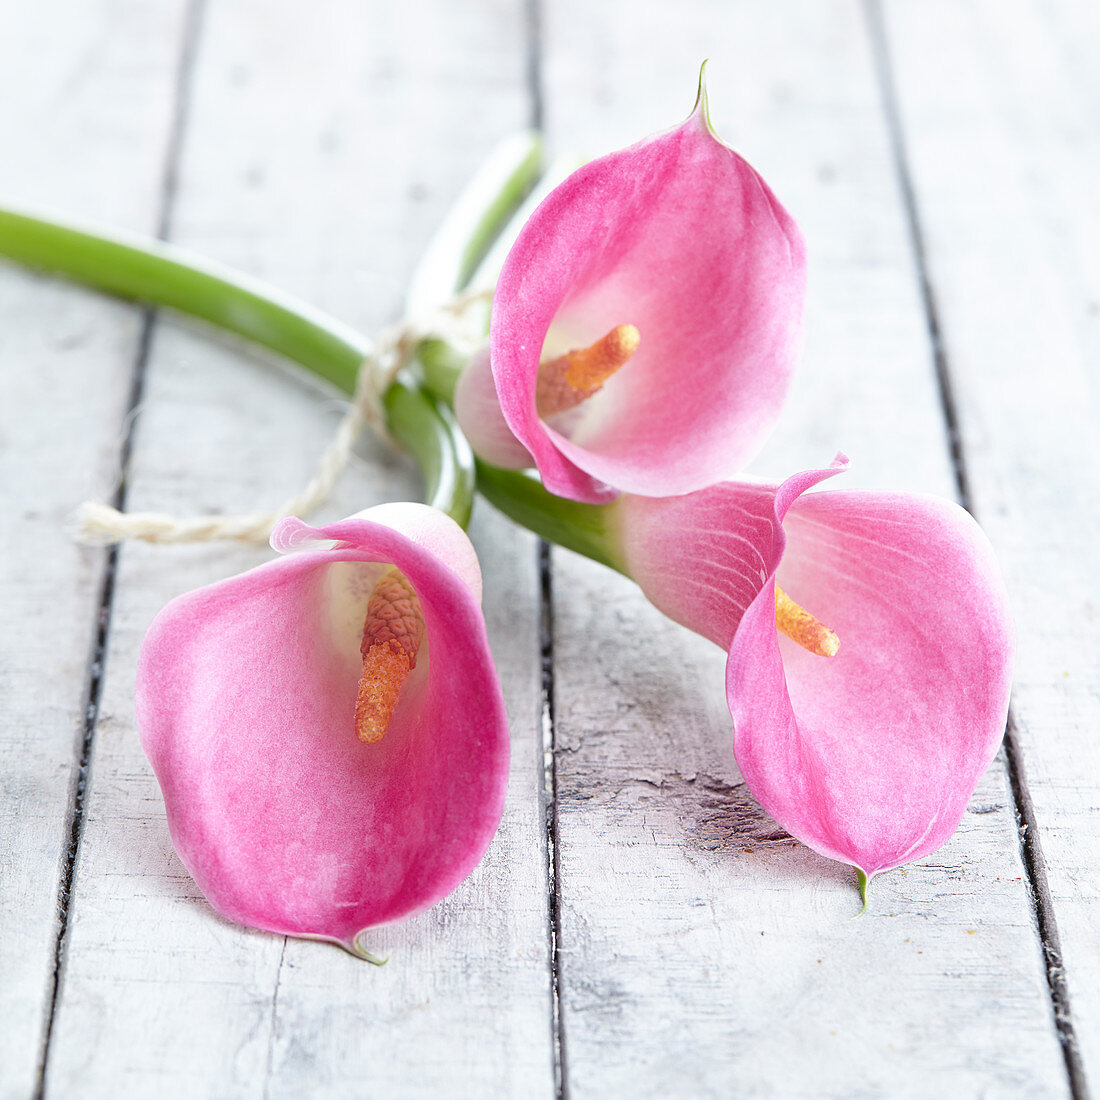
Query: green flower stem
x=484, y=211
x=440, y=365
x=474, y=222
x=151, y=271
x=428, y=431
x=589, y=529
x=159, y=274
x=440, y=362
x=488, y=271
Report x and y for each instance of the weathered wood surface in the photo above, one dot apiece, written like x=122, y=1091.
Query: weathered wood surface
x=684, y=946
x=1012, y=236
x=84, y=122
x=695, y=937
x=304, y=172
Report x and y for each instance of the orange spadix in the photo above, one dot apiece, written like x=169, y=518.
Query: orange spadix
x=571, y=378
x=801, y=627
x=392, y=632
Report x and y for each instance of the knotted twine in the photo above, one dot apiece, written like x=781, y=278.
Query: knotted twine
x=393, y=350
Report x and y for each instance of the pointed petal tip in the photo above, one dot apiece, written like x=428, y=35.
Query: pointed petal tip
x=228, y=631
x=588, y=235
x=701, y=110
x=355, y=947
x=864, y=881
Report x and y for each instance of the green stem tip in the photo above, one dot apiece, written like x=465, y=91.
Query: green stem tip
x=588, y=529
x=864, y=882
x=360, y=952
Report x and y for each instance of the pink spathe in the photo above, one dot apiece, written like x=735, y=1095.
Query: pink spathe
x=246, y=702
x=680, y=237
x=868, y=757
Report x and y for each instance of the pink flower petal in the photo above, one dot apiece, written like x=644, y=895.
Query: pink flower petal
x=868, y=757
x=479, y=414
x=246, y=701
x=680, y=237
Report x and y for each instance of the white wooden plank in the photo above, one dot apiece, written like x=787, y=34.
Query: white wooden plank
x=97, y=80
x=1001, y=94
x=701, y=950
x=321, y=153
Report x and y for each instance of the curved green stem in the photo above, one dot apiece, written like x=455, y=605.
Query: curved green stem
x=440, y=366
x=160, y=274
x=474, y=222
x=589, y=529
x=428, y=430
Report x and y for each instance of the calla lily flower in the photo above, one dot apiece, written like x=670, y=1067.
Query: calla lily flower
x=644, y=325
x=870, y=650
x=328, y=729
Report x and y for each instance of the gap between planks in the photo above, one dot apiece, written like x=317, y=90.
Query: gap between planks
x=75, y=819
x=549, y=780
x=1030, y=847
x=549, y=794
x=74, y=828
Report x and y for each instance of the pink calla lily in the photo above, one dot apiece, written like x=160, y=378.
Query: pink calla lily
x=247, y=705
x=868, y=756
x=677, y=251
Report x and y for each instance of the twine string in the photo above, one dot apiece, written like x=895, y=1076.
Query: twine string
x=393, y=349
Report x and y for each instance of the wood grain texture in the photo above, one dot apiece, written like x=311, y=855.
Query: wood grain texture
x=320, y=153
x=1001, y=94
x=96, y=81
x=702, y=950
